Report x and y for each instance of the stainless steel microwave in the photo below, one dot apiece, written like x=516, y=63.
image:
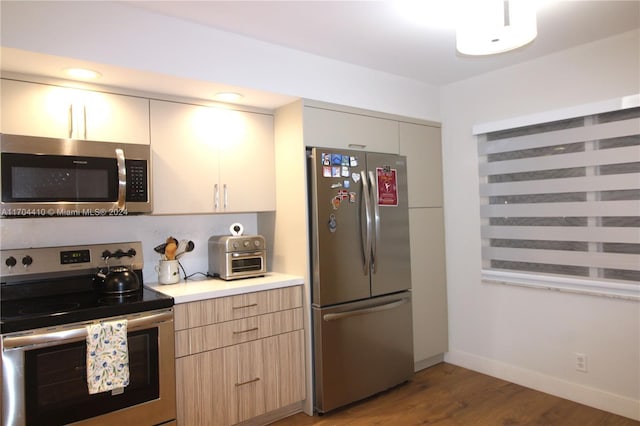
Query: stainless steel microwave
x=69, y=177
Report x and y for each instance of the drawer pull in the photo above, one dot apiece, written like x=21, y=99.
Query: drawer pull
x=247, y=382
x=246, y=331
x=245, y=306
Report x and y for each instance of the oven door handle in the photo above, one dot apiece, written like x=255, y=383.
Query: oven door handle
x=79, y=332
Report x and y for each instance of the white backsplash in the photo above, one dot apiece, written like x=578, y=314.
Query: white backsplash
x=151, y=230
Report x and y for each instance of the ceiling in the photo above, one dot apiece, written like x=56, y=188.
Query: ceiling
x=377, y=35
x=371, y=34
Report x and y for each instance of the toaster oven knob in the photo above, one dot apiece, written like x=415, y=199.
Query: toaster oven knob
x=256, y=243
x=11, y=261
x=245, y=243
x=27, y=260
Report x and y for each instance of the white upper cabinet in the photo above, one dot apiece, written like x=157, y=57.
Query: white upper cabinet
x=422, y=146
x=36, y=109
x=208, y=160
x=346, y=130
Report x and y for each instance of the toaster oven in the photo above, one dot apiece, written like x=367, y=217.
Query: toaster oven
x=233, y=257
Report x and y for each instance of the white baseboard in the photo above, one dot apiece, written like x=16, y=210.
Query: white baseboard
x=426, y=363
x=592, y=397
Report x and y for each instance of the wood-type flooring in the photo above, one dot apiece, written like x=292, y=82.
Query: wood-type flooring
x=447, y=395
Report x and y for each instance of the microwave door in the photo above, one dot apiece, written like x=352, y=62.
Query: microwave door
x=31, y=179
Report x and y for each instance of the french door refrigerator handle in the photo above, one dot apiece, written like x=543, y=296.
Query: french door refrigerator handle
x=122, y=178
x=376, y=217
x=364, y=311
x=367, y=237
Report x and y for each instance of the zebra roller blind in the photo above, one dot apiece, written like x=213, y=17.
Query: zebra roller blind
x=560, y=202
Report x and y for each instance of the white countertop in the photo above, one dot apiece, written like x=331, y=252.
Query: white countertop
x=210, y=288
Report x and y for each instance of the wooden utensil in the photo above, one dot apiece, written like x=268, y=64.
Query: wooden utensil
x=170, y=249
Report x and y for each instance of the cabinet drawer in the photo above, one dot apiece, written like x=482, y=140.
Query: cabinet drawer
x=239, y=382
x=213, y=311
x=214, y=336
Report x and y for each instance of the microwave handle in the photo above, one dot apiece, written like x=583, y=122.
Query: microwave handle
x=122, y=178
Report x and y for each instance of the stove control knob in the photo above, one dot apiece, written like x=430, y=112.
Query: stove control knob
x=246, y=243
x=256, y=243
x=11, y=261
x=27, y=260
x=236, y=245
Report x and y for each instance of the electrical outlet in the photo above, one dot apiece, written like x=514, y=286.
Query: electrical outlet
x=581, y=362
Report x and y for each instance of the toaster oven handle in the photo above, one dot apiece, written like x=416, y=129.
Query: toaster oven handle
x=247, y=254
x=122, y=178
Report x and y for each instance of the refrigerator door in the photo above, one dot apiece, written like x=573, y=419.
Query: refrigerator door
x=361, y=348
x=391, y=269
x=338, y=225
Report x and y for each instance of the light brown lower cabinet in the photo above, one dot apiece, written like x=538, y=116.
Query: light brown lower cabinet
x=236, y=382
x=233, y=384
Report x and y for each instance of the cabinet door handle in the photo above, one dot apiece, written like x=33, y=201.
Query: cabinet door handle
x=248, y=381
x=356, y=145
x=245, y=306
x=84, y=116
x=225, y=195
x=216, y=197
x=246, y=331
x=70, y=120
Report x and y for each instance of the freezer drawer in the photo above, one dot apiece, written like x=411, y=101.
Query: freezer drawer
x=361, y=348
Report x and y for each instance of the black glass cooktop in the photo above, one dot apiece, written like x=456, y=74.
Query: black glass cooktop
x=51, y=286
x=46, y=311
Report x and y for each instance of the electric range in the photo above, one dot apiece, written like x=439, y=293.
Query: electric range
x=44, y=287
x=49, y=298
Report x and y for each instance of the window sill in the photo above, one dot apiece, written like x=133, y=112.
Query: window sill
x=571, y=285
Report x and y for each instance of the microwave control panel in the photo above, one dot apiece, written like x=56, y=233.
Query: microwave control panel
x=136, y=180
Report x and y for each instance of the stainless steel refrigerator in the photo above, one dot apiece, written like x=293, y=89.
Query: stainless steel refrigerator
x=361, y=274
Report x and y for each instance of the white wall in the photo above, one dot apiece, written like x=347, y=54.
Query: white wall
x=525, y=335
x=119, y=35
x=151, y=230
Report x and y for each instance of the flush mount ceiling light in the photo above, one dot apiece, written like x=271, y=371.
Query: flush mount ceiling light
x=82, y=73
x=228, y=96
x=496, y=26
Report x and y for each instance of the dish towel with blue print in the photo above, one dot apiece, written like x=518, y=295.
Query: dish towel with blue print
x=107, y=356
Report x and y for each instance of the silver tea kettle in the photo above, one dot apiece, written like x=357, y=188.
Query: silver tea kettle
x=117, y=280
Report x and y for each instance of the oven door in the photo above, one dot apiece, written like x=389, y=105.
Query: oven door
x=244, y=264
x=44, y=376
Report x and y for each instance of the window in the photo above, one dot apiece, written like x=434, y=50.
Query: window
x=560, y=203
